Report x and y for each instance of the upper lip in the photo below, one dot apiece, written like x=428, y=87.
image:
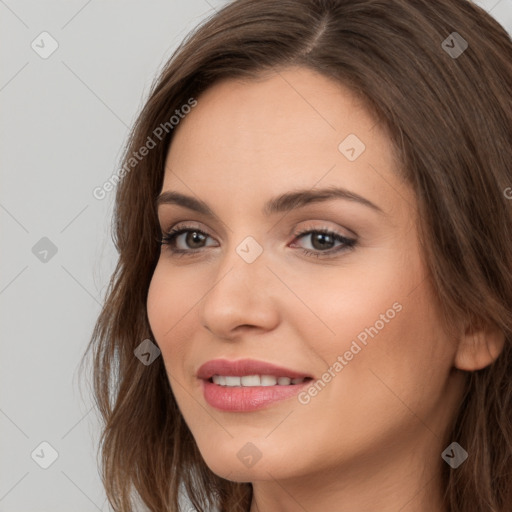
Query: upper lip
x=242, y=367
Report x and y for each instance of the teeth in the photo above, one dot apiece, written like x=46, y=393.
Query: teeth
x=233, y=381
x=250, y=380
x=254, y=380
x=268, y=380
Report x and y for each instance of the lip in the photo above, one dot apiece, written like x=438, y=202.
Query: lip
x=249, y=398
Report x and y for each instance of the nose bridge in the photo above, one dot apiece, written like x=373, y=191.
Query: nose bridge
x=244, y=260
x=240, y=294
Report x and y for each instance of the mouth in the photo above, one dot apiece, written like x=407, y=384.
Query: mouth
x=248, y=385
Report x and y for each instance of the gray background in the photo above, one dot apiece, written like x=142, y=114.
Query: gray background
x=64, y=121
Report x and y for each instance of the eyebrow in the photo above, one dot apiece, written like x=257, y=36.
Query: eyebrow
x=282, y=203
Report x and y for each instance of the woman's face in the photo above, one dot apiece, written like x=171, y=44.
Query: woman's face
x=352, y=309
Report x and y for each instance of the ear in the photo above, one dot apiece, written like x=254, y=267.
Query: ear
x=479, y=345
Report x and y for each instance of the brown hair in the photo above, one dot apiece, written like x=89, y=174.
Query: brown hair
x=449, y=119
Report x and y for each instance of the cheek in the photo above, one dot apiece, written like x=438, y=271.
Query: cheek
x=384, y=324
x=403, y=361
x=171, y=298
x=159, y=303
x=171, y=317
x=385, y=383
x=169, y=311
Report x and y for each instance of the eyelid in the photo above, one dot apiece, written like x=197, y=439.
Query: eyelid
x=169, y=220
x=349, y=233
x=295, y=232
x=322, y=225
x=189, y=225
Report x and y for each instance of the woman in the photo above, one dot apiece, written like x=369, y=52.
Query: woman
x=312, y=307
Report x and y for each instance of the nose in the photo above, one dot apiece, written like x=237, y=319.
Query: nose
x=242, y=296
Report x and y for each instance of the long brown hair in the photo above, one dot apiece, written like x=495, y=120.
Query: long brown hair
x=447, y=109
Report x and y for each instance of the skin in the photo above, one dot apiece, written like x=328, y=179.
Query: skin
x=372, y=438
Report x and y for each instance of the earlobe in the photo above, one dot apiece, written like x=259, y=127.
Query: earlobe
x=479, y=346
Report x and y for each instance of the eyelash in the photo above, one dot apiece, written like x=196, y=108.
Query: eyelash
x=169, y=239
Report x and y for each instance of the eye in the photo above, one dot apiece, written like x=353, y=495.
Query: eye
x=185, y=239
x=188, y=240
x=323, y=242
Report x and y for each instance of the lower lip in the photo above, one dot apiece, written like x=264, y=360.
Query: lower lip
x=251, y=398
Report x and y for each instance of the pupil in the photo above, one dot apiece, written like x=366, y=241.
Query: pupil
x=323, y=240
x=194, y=237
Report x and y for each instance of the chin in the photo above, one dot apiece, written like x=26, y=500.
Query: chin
x=243, y=465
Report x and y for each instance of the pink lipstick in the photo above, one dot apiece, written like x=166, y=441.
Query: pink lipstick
x=248, y=385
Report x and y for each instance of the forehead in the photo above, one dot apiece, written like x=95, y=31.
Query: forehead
x=293, y=128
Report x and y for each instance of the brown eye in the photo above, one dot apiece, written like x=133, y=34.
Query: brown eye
x=194, y=239
x=324, y=242
x=185, y=239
